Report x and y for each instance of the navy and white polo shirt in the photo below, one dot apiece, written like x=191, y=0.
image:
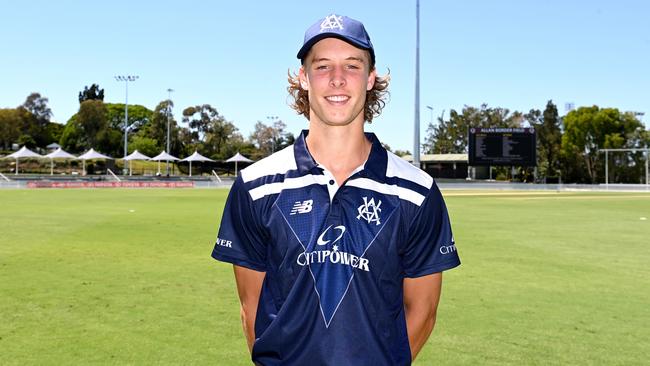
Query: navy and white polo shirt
x=335, y=257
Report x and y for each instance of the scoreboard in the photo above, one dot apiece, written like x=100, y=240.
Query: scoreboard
x=502, y=146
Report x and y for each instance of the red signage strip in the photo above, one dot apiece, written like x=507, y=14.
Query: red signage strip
x=110, y=184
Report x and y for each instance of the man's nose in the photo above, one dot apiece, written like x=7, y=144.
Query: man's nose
x=338, y=78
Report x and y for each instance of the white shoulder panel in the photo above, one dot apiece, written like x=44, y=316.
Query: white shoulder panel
x=288, y=183
x=278, y=163
x=402, y=193
x=398, y=167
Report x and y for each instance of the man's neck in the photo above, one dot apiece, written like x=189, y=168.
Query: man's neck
x=340, y=149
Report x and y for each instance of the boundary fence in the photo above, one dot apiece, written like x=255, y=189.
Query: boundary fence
x=227, y=183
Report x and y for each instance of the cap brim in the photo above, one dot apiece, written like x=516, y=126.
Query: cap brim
x=304, y=50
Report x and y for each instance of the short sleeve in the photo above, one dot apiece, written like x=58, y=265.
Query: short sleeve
x=241, y=239
x=430, y=247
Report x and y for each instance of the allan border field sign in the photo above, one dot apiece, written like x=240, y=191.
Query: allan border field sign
x=502, y=146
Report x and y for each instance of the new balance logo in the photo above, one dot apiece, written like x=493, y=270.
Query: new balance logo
x=302, y=207
x=331, y=22
x=369, y=211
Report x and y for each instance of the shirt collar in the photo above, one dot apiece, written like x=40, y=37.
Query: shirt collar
x=375, y=166
x=304, y=160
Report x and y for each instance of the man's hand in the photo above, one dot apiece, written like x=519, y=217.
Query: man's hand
x=421, y=297
x=249, y=286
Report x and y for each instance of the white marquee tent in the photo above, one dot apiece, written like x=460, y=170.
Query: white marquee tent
x=58, y=154
x=25, y=153
x=136, y=155
x=91, y=155
x=195, y=157
x=163, y=156
x=238, y=158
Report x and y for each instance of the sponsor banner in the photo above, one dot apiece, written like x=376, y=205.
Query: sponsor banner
x=110, y=184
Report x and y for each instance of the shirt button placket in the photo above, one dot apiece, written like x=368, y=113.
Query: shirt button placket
x=335, y=208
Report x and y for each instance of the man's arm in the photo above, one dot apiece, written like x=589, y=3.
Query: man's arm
x=421, y=297
x=249, y=286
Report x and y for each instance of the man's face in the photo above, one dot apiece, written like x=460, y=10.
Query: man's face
x=337, y=76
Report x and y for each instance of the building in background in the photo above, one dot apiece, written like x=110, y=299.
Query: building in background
x=447, y=166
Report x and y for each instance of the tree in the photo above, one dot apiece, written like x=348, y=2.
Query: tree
x=26, y=140
x=289, y=139
x=92, y=93
x=438, y=138
x=145, y=145
x=210, y=133
x=55, y=131
x=222, y=141
x=186, y=141
x=269, y=139
x=35, y=115
x=10, y=126
x=262, y=138
x=450, y=136
x=401, y=153
x=37, y=106
x=201, y=120
x=73, y=139
x=138, y=116
x=92, y=121
x=162, y=116
x=101, y=126
x=281, y=138
x=156, y=129
x=589, y=129
x=549, y=138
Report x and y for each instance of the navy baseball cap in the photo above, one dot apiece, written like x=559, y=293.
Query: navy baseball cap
x=341, y=27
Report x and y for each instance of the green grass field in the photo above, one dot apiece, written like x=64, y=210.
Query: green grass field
x=124, y=277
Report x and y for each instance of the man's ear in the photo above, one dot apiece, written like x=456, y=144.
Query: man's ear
x=371, y=79
x=304, y=80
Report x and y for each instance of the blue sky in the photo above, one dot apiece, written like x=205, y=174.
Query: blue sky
x=235, y=55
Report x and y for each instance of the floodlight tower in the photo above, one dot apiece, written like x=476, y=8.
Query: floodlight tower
x=416, y=130
x=126, y=80
x=272, y=120
x=639, y=116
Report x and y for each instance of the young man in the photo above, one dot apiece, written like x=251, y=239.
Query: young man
x=338, y=245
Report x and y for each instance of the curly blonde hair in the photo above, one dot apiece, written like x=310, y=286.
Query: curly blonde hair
x=374, y=97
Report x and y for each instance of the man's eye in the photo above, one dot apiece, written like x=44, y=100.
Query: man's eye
x=321, y=67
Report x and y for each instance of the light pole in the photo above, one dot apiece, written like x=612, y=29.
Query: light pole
x=272, y=120
x=416, y=132
x=169, y=112
x=126, y=80
x=642, y=134
x=645, y=133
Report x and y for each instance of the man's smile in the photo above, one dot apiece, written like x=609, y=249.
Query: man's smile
x=337, y=98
